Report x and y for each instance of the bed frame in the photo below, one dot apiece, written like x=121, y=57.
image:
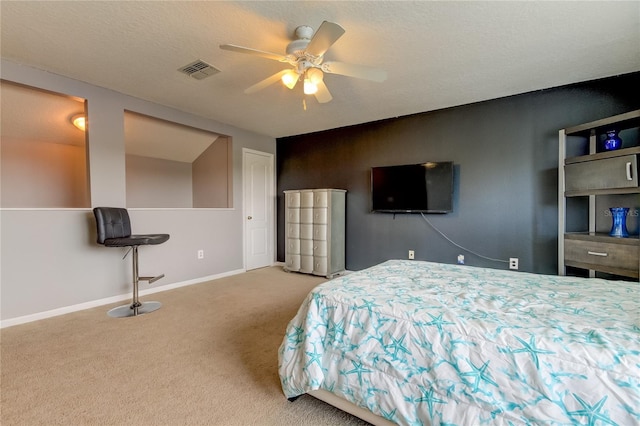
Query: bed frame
x=349, y=407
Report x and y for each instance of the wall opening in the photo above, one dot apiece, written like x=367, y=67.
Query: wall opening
x=43, y=156
x=170, y=165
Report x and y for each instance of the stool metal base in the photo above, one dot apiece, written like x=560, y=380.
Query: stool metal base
x=136, y=307
x=125, y=311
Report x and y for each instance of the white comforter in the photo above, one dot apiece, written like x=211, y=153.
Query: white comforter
x=422, y=343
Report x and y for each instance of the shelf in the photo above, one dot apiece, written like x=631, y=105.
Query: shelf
x=598, y=174
x=620, y=122
x=601, y=237
x=608, y=191
x=603, y=155
x=602, y=268
x=601, y=252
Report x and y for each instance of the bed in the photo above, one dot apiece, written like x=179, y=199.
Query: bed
x=422, y=343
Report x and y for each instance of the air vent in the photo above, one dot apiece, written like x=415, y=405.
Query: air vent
x=199, y=70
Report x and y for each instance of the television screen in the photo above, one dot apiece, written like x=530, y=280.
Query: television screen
x=413, y=188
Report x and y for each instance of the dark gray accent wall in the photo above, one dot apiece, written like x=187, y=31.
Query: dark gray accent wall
x=505, y=153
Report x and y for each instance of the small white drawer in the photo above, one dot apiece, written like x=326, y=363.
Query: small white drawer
x=306, y=264
x=319, y=248
x=306, y=198
x=321, y=199
x=306, y=215
x=319, y=232
x=293, y=246
x=320, y=266
x=292, y=262
x=306, y=247
x=293, y=199
x=293, y=230
x=293, y=215
x=320, y=215
x=306, y=231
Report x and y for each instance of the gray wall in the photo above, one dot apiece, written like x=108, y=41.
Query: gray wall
x=211, y=175
x=49, y=256
x=50, y=174
x=505, y=186
x=156, y=182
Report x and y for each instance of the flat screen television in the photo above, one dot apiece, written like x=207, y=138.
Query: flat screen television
x=413, y=188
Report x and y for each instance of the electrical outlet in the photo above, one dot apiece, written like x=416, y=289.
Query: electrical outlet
x=513, y=263
x=412, y=255
x=200, y=254
x=461, y=259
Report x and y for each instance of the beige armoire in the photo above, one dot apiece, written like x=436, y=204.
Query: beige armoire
x=315, y=231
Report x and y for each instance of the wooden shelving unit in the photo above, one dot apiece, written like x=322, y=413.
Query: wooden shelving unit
x=597, y=174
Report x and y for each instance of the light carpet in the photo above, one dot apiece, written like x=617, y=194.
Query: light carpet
x=207, y=357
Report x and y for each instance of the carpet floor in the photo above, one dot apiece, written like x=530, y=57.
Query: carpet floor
x=207, y=357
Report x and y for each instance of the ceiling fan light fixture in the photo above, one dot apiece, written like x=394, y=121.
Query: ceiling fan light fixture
x=312, y=78
x=310, y=88
x=290, y=78
x=79, y=121
x=315, y=75
x=306, y=55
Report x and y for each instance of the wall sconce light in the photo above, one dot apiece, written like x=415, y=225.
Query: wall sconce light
x=79, y=121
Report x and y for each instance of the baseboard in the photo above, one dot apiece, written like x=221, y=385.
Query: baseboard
x=109, y=300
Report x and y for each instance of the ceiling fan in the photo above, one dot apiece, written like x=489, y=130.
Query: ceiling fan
x=305, y=55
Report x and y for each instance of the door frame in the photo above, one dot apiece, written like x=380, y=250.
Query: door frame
x=271, y=231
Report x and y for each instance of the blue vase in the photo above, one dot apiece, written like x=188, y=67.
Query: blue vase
x=612, y=141
x=619, y=226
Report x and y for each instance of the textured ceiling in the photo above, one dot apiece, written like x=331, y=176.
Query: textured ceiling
x=437, y=54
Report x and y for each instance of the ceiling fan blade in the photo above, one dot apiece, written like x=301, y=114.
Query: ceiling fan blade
x=323, y=95
x=254, y=52
x=358, y=71
x=266, y=82
x=327, y=34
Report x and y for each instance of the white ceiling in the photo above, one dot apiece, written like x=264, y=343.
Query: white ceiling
x=437, y=54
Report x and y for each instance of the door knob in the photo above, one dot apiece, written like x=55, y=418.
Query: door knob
x=249, y=217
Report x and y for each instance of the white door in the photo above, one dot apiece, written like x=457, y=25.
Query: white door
x=259, y=206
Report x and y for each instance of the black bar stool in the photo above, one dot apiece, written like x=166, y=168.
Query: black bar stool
x=114, y=230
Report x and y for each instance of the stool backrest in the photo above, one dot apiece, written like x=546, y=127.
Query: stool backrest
x=112, y=222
